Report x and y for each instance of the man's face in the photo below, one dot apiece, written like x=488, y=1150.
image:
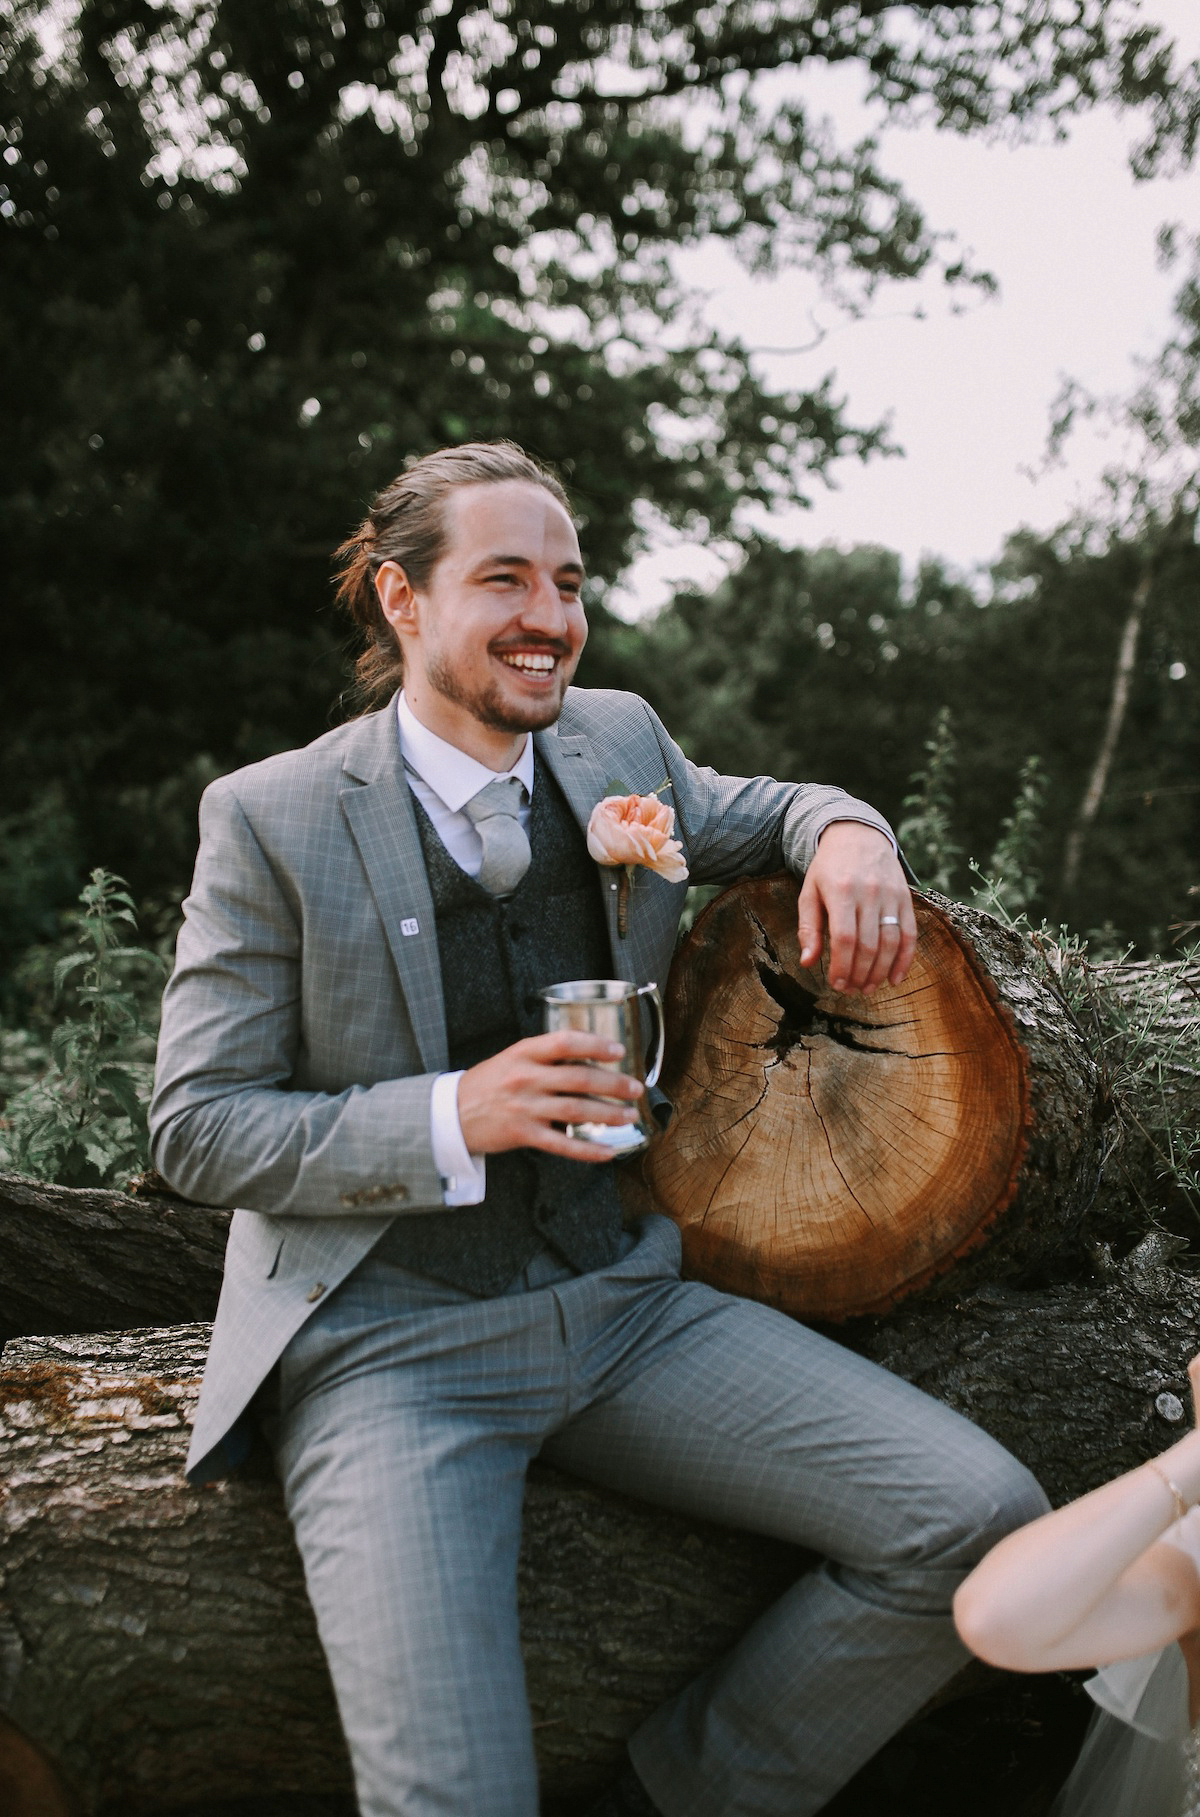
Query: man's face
x=497, y=630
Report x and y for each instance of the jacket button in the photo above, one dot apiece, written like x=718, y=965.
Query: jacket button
x=315, y=1291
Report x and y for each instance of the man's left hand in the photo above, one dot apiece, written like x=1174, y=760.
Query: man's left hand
x=856, y=894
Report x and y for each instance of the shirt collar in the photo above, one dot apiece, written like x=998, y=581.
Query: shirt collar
x=452, y=775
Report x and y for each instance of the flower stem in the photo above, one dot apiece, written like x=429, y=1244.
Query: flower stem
x=623, y=883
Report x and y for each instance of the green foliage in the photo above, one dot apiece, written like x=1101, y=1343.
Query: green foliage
x=821, y=665
x=83, y=1122
x=1013, y=878
x=925, y=833
x=39, y=874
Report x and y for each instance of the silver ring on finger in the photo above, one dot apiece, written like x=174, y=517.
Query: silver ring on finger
x=889, y=921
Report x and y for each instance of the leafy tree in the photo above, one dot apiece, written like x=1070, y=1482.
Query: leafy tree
x=819, y=665
x=1046, y=663
x=1148, y=507
x=815, y=664
x=255, y=255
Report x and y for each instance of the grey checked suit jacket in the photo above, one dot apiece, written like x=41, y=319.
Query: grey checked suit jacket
x=303, y=1025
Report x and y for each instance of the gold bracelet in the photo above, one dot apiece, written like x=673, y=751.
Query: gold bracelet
x=1170, y=1484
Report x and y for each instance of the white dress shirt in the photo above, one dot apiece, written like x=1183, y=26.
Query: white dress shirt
x=444, y=779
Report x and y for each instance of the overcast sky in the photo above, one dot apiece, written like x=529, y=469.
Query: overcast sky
x=1071, y=238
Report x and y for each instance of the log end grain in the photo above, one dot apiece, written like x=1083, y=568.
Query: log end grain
x=834, y=1154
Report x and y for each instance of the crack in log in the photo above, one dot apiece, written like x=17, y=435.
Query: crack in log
x=829, y=1145
x=746, y=1114
x=800, y=1017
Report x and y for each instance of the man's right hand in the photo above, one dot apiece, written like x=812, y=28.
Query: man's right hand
x=515, y=1099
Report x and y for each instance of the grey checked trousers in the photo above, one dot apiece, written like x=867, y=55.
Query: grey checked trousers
x=408, y=1412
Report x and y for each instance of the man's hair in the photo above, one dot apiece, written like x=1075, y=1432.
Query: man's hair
x=406, y=524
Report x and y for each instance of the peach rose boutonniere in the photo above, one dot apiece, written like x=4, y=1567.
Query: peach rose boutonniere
x=630, y=830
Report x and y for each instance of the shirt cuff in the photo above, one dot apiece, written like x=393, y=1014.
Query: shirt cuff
x=464, y=1175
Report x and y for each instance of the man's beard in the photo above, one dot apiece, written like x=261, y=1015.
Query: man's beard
x=489, y=706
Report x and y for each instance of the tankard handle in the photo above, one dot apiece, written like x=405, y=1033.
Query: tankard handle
x=650, y=992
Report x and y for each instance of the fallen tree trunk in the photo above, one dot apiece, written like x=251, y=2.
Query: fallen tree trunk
x=1001, y=1188
x=1080, y=1381
x=156, y=1640
x=74, y=1260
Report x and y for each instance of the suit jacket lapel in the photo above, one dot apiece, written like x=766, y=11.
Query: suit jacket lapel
x=378, y=806
x=583, y=781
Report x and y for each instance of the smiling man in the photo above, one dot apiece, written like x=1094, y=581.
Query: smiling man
x=428, y=1282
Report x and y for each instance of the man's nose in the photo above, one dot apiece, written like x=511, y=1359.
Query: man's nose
x=544, y=609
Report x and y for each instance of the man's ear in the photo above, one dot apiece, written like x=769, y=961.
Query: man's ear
x=397, y=601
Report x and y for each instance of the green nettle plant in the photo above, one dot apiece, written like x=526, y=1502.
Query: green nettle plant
x=925, y=833
x=1013, y=877
x=83, y=1123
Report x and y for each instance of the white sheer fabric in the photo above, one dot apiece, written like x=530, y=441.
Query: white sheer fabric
x=1133, y=1761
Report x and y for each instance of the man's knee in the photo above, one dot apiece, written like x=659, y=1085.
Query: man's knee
x=953, y=1526
x=1003, y=1497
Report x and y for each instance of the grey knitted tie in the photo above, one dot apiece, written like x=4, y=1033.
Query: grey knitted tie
x=506, y=852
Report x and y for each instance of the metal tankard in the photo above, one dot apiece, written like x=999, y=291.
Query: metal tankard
x=610, y=1007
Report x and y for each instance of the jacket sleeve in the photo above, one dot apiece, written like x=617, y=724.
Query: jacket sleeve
x=740, y=826
x=226, y=1126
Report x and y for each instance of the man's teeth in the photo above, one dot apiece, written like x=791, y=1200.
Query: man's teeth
x=532, y=665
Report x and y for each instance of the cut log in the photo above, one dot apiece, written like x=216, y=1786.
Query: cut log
x=833, y=1155
x=156, y=1640
x=157, y=1643
x=95, y=1261
x=74, y=1260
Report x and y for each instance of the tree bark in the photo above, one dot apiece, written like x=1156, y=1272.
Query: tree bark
x=157, y=1642
x=1081, y=1381
x=1118, y=703
x=74, y=1260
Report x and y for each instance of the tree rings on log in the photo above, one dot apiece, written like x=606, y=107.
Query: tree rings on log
x=832, y=1154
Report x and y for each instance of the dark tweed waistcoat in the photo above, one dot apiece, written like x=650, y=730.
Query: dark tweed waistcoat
x=495, y=957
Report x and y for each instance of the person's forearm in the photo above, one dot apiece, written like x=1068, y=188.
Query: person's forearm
x=300, y=1153
x=1046, y=1596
